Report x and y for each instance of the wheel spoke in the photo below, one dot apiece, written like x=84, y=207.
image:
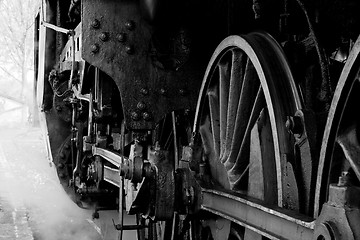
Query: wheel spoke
x=243, y=112
x=206, y=136
x=241, y=163
x=224, y=72
x=213, y=98
x=238, y=68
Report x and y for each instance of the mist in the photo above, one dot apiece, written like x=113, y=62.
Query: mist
x=31, y=188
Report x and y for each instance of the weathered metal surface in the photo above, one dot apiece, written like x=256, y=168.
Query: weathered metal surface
x=340, y=216
x=306, y=157
x=262, y=182
x=127, y=58
x=164, y=189
x=274, y=223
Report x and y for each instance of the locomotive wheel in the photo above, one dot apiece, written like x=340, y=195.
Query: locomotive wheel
x=340, y=149
x=246, y=94
x=62, y=161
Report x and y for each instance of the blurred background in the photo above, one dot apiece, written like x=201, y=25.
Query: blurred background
x=17, y=82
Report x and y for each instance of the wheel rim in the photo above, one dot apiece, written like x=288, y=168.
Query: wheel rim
x=341, y=131
x=239, y=82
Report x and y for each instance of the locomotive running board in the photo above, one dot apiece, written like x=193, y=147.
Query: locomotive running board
x=270, y=222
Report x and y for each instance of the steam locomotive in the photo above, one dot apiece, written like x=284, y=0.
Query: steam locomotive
x=205, y=119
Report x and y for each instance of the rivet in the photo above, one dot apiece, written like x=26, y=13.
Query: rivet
x=146, y=116
x=95, y=24
x=58, y=108
x=130, y=25
x=141, y=106
x=135, y=116
x=162, y=91
x=144, y=91
x=129, y=49
x=60, y=165
x=121, y=37
x=104, y=36
x=94, y=48
x=182, y=92
x=61, y=175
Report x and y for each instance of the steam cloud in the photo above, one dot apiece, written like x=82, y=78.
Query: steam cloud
x=28, y=184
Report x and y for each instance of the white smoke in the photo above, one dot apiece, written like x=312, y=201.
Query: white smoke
x=29, y=184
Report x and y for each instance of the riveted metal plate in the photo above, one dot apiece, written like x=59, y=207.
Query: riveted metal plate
x=127, y=57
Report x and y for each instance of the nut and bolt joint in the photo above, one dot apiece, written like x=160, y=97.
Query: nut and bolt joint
x=146, y=116
x=61, y=165
x=141, y=106
x=95, y=24
x=294, y=125
x=144, y=91
x=135, y=116
x=344, y=179
x=182, y=92
x=129, y=50
x=121, y=37
x=130, y=25
x=162, y=91
x=95, y=48
x=104, y=36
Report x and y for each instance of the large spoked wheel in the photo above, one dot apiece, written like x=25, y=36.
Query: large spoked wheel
x=339, y=159
x=246, y=96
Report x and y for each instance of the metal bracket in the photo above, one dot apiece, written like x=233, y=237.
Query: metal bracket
x=340, y=216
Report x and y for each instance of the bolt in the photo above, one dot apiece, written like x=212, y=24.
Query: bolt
x=144, y=91
x=162, y=91
x=146, y=116
x=135, y=116
x=130, y=25
x=129, y=49
x=60, y=165
x=294, y=125
x=62, y=155
x=94, y=48
x=61, y=175
x=189, y=194
x=104, y=36
x=95, y=24
x=121, y=37
x=182, y=92
x=141, y=106
x=343, y=179
x=58, y=108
